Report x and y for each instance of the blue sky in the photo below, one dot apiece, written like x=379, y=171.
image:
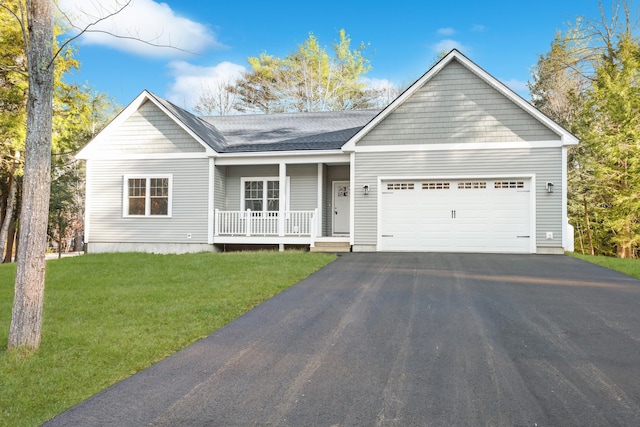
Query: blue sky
x=403, y=38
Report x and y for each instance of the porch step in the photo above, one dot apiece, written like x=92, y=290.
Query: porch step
x=331, y=247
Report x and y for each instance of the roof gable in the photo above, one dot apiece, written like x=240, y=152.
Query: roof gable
x=201, y=133
x=458, y=101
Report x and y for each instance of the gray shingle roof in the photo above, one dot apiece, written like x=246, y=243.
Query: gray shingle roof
x=292, y=131
x=273, y=132
x=206, y=131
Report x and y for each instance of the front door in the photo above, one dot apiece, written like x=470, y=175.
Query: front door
x=341, y=190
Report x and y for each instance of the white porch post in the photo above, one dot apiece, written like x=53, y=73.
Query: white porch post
x=212, y=217
x=319, y=209
x=283, y=201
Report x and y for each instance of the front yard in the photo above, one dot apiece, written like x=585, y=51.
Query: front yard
x=108, y=316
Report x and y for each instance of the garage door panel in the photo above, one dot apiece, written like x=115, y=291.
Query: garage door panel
x=456, y=215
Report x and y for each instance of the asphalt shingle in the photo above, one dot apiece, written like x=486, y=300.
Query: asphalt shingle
x=327, y=130
x=291, y=131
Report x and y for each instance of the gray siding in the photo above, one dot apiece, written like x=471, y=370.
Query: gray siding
x=457, y=106
x=303, y=181
x=545, y=163
x=220, y=188
x=149, y=130
x=189, y=202
x=304, y=187
x=332, y=173
x=235, y=173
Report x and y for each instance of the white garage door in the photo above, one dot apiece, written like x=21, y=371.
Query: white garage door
x=471, y=215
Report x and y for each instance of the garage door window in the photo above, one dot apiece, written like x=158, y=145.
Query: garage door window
x=508, y=184
x=435, y=185
x=400, y=186
x=471, y=185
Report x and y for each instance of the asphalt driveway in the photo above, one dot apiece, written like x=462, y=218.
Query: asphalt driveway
x=406, y=340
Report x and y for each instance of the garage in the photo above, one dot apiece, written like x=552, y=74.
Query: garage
x=456, y=215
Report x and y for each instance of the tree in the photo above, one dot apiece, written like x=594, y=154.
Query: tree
x=219, y=99
x=561, y=77
x=308, y=79
x=36, y=22
x=13, y=101
x=589, y=82
x=79, y=115
x=26, y=319
x=611, y=135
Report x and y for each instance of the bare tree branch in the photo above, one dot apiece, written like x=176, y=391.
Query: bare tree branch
x=97, y=20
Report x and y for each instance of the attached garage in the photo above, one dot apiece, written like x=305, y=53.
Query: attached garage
x=460, y=163
x=456, y=215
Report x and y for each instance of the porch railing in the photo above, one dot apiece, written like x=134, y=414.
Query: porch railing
x=259, y=223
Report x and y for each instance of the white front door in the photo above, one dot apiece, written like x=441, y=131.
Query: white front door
x=340, y=222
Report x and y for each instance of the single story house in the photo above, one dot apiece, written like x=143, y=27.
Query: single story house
x=457, y=163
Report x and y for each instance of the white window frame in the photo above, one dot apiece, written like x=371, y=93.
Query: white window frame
x=264, y=190
x=147, y=203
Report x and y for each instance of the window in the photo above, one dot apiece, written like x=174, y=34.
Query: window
x=261, y=194
x=508, y=184
x=147, y=196
x=400, y=186
x=435, y=185
x=469, y=185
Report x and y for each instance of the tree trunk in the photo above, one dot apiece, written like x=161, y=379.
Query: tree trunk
x=588, y=227
x=26, y=319
x=11, y=202
x=625, y=247
x=8, y=256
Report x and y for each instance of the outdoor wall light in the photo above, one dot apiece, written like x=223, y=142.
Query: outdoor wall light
x=549, y=186
x=365, y=189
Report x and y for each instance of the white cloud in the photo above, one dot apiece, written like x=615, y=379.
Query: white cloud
x=446, y=45
x=448, y=31
x=377, y=84
x=190, y=80
x=518, y=86
x=152, y=22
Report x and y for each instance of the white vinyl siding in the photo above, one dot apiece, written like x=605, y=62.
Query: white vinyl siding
x=457, y=106
x=189, y=202
x=543, y=163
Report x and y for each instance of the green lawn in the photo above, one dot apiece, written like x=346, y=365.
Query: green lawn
x=630, y=267
x=108, y=316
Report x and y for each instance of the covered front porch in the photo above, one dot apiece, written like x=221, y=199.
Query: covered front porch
x=283, y=202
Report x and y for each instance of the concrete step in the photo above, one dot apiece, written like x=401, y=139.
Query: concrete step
x=331, y=247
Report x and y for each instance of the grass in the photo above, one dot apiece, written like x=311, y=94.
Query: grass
x=630, y=267
x=107, y=316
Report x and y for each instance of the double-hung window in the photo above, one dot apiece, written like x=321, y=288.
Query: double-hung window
x=147, y=195
x=261, y=194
